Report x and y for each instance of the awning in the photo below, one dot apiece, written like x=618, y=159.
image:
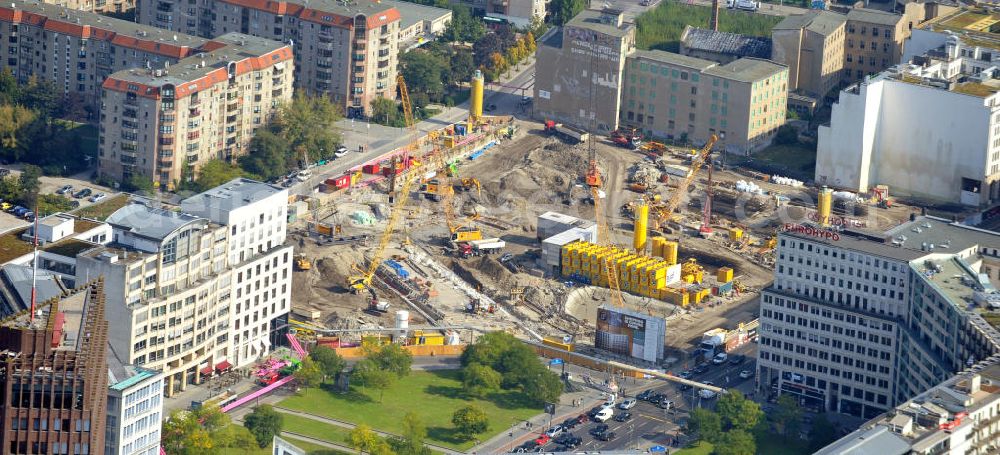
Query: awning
x=206, y=371
x=223, y=366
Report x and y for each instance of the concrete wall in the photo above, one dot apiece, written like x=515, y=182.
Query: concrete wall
x=786, y=47
x=844, y=147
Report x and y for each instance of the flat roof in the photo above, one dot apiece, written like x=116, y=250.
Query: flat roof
x=237, y=47
x=877, y=440
x=674, y=59
x=412, y=13
x=230, y=196
x=17, y=281
x=945, y=235
x=747, y=69
x=148, y=221
x=121, y=376
x=599, y=21
x=822, y=22
x=726, y=42
x=873, y=16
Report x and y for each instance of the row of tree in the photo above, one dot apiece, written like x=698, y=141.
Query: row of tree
x=31, y=130
x=498, y=361
x=498, y=52
x=738, y=422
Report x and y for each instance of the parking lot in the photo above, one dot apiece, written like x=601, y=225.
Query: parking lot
x=50, y=185
x=648, y=423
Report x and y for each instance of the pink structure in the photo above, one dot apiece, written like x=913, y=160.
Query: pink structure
x=257, y=394
x=296, y=346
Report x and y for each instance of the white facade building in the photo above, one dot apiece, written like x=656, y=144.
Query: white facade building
x=255, y=215
x=929, y=130
x=135, y=410
x=859, y=322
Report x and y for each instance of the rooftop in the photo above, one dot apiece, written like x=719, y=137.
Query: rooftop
x=413, y=13
x=230, y=196
x=821, y=22
x=675, y=59
x=946, y=236
x=980, y=89
x=726, y=42
x=236, y=47
x=747, y=69
x=873, y=16
x=16, y=295
x=92, y=25
x=601, y=21
x=149, y=222
x=71, y=306
x=347, y=9
x=122, y=376
x=876, y=440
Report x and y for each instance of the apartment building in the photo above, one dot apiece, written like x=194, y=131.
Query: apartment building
x=135, y=409
x=874, y=42
x=679, y=97
x=343, y=50
x=256, y=216
x=957, y=417
x=206, y=106
x=858, y=322
x=55, y=376
x=519, y=13
x=928, y=129
x=97, y=6
x=812, y=46
x=579, y=70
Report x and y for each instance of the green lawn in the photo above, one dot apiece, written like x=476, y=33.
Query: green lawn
x=103, y=209
x=432, y=395
x=314, y=429
x=314, y=448
x=661, y=27
x=792, y=160
x=700, y=448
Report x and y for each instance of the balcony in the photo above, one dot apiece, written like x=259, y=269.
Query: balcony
x=383, y=54
x=165, y=163
x=231, y=119
x=131, y=101
x=194, y=135
x=359, y=57
x=166, y=141
x=195, y=113
x=165, y=7
x=232, y=107
x=383, y=64
x=276, y=93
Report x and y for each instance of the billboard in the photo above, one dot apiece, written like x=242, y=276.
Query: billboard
x=630, y=333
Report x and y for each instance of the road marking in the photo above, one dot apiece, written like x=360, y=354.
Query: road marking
x=654, y=418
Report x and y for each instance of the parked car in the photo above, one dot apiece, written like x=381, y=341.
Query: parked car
x=737, y=360
x=582, y=418
x=556, y=430
x=98, y=197
x=610, y=402
x=707, y=394
x=686, y=374
x=684, y=387
x=605, y=414
x=666, y=404
x=655, y=398
x=29, y=215
x=18, y=211
x=543, y=439
x=593, y=411
x=623, y=416
x=65, y=189
x=569, y=423
x=699, y=369
x=606, y=436
x=629, y=403
x=720, y=358
x=83, y=193
x=599, y=429
x=5, y=206
x=746, y=374
x=569, y=442
x=526, y=447
x=644, y=395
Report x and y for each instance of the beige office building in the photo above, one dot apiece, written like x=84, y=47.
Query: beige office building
x=686, y=98
x=204, y=107
x=812, y=46
x=344, y=50
x=874, y=42
x=579, y=70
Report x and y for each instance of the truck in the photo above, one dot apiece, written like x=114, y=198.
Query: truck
x=745, y=5
x=480, y=247
x=627, y=137
x=677, y=170
x=567, y=132
x=720, y=340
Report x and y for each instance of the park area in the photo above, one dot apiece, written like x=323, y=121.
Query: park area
x=432, y=395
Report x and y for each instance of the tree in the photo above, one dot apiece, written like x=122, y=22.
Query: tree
x=362, y=438
x=470, y=421
x=29, y=185
x=489, y=348
x=462, y=66
x=735, y=442
x=564, y=10
x=787, y=415
x=214, y=173
x=393, y=358
x=203, y=432
x=384, y=111
x=423, y=73
x=328, y=360
x=479, y=380
x=309, y=374
x=529, y=41
x=301, y=131
x=412, y=440
x=138, y=183
x=737, y=412
x=787, y=134
x=264, y=423
x=269, y=155
x=706, y=424
x=369, y=374
x=543, y=385
x=822, y=433
x=463, y=27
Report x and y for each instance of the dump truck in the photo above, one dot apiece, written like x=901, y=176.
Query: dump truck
x=480, y=247
x=568, y=132
x=627, y=137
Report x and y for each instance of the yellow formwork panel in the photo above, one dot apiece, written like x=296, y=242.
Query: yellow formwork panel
x=724, y=275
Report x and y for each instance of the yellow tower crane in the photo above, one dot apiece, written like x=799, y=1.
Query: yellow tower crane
x=666, y=211
x=362, y=282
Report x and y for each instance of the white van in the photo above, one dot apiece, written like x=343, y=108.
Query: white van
x=605, y=414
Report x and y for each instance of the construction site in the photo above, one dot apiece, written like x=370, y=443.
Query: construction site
x=534, y=228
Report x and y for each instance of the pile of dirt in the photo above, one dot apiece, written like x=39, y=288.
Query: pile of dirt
x=331, y=271
x=494, y=270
